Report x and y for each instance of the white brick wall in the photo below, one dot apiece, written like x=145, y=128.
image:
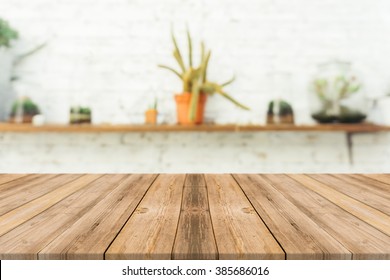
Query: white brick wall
x=192, y=152
x=103, y=53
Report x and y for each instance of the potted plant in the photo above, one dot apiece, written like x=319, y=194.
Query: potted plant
x=80, y=115
x=7, y=35
x=151, y=114
x=280, y=112
x=196, y=86
x=23, y=110
x=337, y=95
x=8, y=60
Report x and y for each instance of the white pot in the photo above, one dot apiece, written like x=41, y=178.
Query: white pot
x=7, y=96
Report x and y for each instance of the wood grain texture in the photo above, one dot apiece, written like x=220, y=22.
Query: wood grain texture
x=5, y=178
x=195, y=237
x=25, y=212
x=25, y=184
x=150, y=231
x=194, y=216
x=361, y=239
x=86, y=128
x=300, y=237
x=361, y=210
x=17, y=196
x=384, y=178
x=239, y=232
x=28, y=239
x=361, y=189
x=90, y=236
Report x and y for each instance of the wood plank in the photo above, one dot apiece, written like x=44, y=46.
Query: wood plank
x=360, y=238
x=150, y=231
x=91, y=235
x=378, y=182
x=5, y=178
x=384, y=178
x=23, y=184
x=288, y=224
x=25, y=212
x=239, y=231
x=195, y=180
x=86, y=128
x=195, y=237
x=361, y=210
x=28, y=239
x=361, y=190
x=33, y=190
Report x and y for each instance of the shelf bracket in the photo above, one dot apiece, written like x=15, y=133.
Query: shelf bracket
x=350, y=147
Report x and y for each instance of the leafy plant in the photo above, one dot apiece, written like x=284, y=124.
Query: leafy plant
x=194, y=78
x=7, y=34
x=24, y=106
x=342, y=87
x=330, y=93
x=80, y=115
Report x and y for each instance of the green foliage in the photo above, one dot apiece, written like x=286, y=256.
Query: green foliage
x=80, y=115
x=7, y=34
x=341, y=87
x=284, y=108
x=25, y=106
x=154, y=105
x=195, y=78
x=330, y=93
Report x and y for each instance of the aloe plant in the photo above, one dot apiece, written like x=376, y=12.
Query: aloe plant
x=194, y=78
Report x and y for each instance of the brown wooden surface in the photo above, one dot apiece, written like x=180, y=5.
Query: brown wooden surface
x=195, y=216
x=195, y=237
x=28, y=128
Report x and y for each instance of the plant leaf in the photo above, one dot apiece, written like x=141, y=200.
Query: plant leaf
x=177, y=54
x=189, y=47
x=205, y=65
x=208, y=87
x=202, y=48
x=224, y=94
x=172, y=70
x=229, y=82
x=194, y=100
x=22, y=57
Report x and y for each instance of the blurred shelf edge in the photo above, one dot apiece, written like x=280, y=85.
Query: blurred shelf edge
x=85, y=128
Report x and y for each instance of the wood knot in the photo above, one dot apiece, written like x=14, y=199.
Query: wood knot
x=248, y=210
x=141, y=210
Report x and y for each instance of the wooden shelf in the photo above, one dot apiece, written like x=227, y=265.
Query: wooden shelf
x=349, y=128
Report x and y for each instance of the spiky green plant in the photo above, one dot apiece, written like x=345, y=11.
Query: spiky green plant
x=194, y=78
x=7, y=34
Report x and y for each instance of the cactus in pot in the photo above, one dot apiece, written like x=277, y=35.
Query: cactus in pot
x=196, y=86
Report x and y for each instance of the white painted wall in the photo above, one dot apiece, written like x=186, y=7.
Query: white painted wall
x=103, y=53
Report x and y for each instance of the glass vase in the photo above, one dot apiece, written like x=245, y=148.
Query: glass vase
x=337, y=95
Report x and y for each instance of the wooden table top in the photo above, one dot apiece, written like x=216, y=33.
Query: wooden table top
x=194, y=216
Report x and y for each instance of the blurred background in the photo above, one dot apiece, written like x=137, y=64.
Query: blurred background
x=102, y=55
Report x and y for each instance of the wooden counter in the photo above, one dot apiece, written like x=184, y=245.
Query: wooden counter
x=194, y=216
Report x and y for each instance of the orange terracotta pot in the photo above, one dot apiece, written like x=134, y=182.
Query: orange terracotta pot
x=183, y=108
x=151, y=116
